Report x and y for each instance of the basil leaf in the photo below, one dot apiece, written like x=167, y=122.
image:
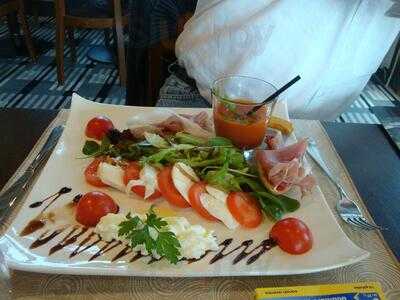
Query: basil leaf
x=276, y=205
x=253, y=184
x=105, y=145
x=270, y=209
x=90, y=148
x=286, y=203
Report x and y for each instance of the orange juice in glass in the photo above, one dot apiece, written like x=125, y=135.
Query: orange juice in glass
x=233, y=98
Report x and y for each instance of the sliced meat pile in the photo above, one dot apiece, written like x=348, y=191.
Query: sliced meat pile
x=165, y=122
x=273, y=139
x=283, y=168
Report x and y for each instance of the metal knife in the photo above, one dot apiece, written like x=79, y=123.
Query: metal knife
x=15, y=193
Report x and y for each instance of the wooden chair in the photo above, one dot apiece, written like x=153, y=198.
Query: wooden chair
x=68, y=20
x=7, y=7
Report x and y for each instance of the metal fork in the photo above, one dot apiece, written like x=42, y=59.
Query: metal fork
x=347, y=209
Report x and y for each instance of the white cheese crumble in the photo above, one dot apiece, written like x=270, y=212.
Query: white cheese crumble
x=195, y=240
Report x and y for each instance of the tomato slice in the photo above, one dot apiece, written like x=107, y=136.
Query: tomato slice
x=168, y=189
x=98, y=127
x=92, y=206
x=91, y=173
x=292, y=236
x=245, y=209
x=194, y=198
x=132, y=172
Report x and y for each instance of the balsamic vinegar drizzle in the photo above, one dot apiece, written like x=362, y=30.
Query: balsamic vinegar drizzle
x=42, y=218
x=32, y=226
x=76, y=198
x=93, y=239
x=88, y=242
x=265, y=245
x=153, y=260
x=68, y=239
x=125, y=251
x=193, y=260
x=225, y=245
x=107, y=247
x=44, y=238
x=52, y=198
x=136, y=257
x=78, y=249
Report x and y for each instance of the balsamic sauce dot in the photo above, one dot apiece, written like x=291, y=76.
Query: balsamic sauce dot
x=65, y=190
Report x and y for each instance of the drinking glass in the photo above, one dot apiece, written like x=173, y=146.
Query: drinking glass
x=233, y=99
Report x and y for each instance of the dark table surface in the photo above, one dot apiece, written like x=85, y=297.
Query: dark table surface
x=369, y=155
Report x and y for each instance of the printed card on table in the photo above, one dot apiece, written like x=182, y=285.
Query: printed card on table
x=350, y=291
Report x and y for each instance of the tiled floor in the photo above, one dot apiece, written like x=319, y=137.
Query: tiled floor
x=28, y=85
x=361, y=111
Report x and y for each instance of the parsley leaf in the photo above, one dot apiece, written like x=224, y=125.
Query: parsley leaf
x=168, y=245
x=153, y=234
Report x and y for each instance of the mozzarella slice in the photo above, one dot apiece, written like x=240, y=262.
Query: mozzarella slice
x=147, y=178
x=132, y=183
x=217, y=207
x=217, y=193
x=148, y=175
x=182, y=177
x=111, y=175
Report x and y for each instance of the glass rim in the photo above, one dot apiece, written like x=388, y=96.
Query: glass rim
x=240, y=76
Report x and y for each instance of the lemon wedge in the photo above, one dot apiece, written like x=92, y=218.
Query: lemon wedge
x=282, y=125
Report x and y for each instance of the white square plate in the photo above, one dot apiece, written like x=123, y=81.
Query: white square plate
x=332, y=248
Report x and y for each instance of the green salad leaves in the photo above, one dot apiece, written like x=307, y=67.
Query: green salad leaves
x=215, y=160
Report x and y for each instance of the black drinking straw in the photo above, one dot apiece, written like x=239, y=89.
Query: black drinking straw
x=275, y=95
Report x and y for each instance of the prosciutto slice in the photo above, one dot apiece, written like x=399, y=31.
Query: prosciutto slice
x=283, y=168
x=166, y=121
x=273, y=139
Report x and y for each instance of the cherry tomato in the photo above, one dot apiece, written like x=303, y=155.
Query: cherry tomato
x=91, y=173
x=168, y=189
x=92, y=206
x=98, y=127
x=194, y=198
x=292, y=236
x=132, y=172
x=245, y=209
